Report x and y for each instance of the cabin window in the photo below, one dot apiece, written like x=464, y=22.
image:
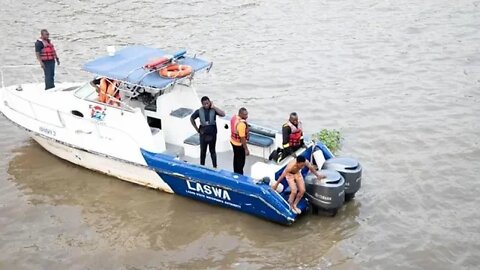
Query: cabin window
x=87, y=91
x=154, y=122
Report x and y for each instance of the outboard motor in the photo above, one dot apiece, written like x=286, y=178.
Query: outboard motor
x=351, y=171
x=327, y=194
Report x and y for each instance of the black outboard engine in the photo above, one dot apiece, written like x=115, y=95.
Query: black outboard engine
x=327, y=194
x=351, y=171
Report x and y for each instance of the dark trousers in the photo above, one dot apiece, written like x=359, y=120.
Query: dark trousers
x=210, y=141
x=49, y=72
x=238, y=158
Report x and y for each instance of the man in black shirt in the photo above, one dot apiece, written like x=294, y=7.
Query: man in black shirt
x=208, y=128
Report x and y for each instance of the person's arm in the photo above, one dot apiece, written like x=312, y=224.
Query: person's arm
x=217, y=110
x=286, y=131
x=56, y=56
x=194, y=116
x=243, y=136
x=282, y=176
x=314, y=170
x=38, y=49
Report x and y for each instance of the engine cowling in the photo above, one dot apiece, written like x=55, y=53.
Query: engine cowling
x=328, y=193
x=350, y=169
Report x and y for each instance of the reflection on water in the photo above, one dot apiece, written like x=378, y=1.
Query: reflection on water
x=85, y=210
x=400, y=79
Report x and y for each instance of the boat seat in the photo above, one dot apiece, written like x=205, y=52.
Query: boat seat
x=151, y=107
x=193, y=140
x=255, y=139
x=181, y=112
x=261, y=131
x=260, y=140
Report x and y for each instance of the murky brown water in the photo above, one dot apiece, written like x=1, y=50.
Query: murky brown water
x=400, y=79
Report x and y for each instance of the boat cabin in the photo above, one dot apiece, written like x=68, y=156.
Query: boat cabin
x=166, y=104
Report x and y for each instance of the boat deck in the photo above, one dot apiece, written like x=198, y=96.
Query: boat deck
x=224, y=159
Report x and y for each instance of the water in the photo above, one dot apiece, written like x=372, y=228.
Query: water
x=400, y=79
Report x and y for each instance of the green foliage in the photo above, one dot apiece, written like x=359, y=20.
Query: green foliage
x=331, y=138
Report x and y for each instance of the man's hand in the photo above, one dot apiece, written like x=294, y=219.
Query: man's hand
x=211, y=105
x=275, y=186
x=42, y=65
x=321, y=176
x=58, y=61
x=247, y=152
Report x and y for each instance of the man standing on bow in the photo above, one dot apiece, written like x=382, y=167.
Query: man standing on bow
x=46, y=55
x=208, y=128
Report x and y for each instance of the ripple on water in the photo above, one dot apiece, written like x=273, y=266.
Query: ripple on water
x=399, y=79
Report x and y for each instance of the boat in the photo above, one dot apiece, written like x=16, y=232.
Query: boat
x=143, y=135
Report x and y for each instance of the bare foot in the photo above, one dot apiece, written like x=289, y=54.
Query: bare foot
x=298, y=210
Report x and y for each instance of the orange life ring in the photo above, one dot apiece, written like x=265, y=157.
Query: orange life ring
x=175, y=71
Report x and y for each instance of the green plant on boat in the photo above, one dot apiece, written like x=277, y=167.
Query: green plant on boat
x=331, y=138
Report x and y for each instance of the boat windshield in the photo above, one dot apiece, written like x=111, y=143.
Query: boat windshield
x=87, y=91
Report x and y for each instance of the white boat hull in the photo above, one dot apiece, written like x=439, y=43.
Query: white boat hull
x=93, y=144
x=127, y=171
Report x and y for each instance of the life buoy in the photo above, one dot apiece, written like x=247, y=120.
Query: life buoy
x=175, y=71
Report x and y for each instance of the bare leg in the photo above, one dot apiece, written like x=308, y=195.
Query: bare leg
x=301, y=189
x=293, y=189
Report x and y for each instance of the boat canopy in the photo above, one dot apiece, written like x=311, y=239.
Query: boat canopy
x=128, y=65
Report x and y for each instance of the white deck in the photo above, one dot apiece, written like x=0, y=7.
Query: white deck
x=224, y=159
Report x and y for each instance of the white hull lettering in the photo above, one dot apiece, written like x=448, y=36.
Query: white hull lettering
x=209, y=190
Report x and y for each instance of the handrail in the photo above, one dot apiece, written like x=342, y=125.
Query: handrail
x=34, y=117
x=32, y=69
x=1, y=74
x=65, y=115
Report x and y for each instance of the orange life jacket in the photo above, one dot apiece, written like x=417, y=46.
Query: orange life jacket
x=48, y=51
x=113, y=94
x=234, y=131
x=108, y=92
x=102, y=95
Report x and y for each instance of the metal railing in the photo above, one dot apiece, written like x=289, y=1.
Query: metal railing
x=23, y=74
x=34, y=74
x=65, y=119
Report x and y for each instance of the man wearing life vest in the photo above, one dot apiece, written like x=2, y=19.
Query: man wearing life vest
x=292, y=135
x=207, y=129
x=46, y=55
x=239, y=138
